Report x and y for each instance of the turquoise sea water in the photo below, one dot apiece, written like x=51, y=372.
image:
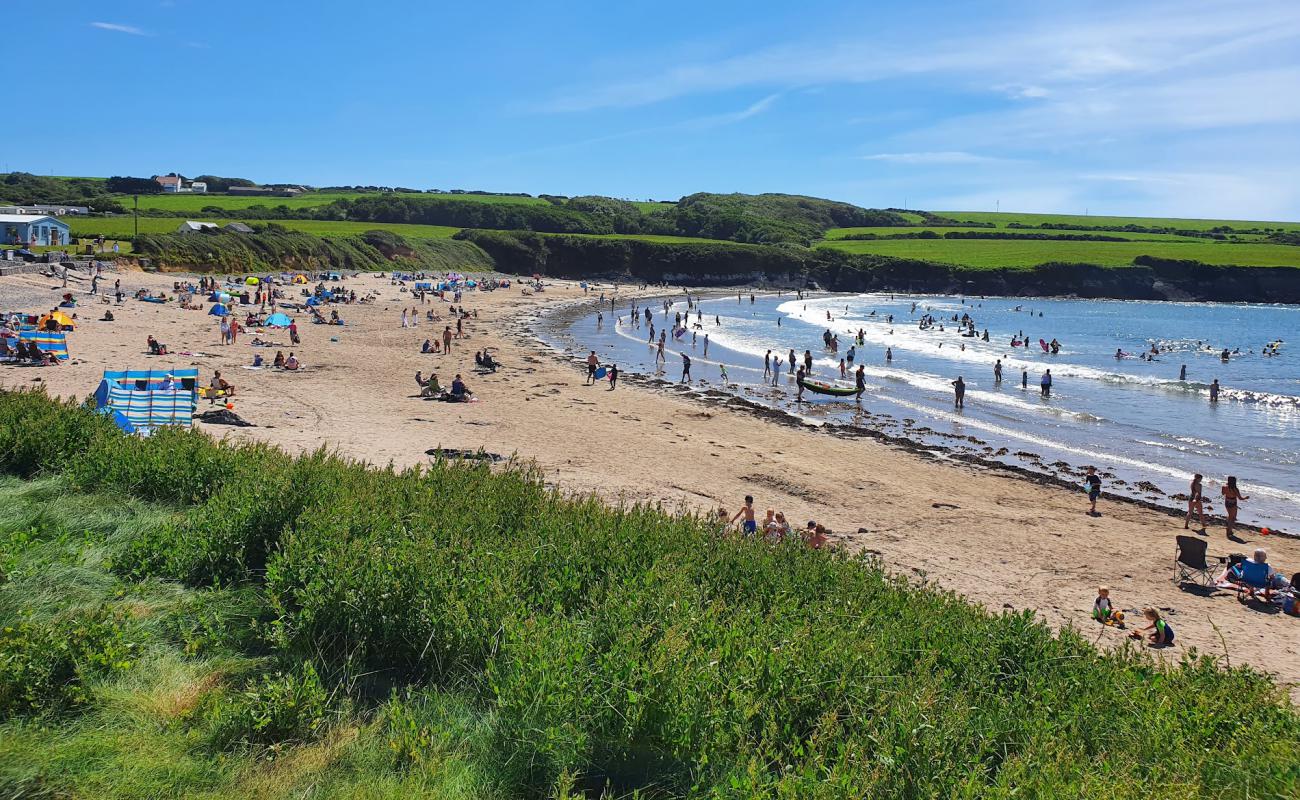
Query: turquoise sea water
x=1145, y=429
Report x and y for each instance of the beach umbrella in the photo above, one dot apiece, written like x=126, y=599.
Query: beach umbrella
x=218, y=310
x=279, y=320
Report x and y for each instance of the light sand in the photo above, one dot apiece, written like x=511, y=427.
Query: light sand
x=997, y=538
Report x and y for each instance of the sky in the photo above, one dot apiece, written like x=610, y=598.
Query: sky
x=1161, y=108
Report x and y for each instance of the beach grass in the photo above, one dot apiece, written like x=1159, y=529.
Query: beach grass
x=1020, y=253
x=229, y=621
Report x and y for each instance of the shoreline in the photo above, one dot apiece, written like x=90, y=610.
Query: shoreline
x=713, y=398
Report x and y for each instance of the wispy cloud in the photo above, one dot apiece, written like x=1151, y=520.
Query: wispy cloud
x=934, y=157
x=1123, y=42
x=118, y=28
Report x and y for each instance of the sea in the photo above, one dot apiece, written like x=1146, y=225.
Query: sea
x=1130, y=390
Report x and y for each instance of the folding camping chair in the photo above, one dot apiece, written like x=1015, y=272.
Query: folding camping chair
x=1192, y=566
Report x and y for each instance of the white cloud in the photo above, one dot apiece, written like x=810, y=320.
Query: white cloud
x=118, y=28
x=1101, y=45
x=935, y=157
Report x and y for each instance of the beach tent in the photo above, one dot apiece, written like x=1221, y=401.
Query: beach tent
x=251, y=281
x=334, y=276
x=56, y=344
x=424, y=286
x=58, y=316
x=218, y=310
x=137, y=411
x=186, y=379
x=278, y=320
x=299, y=278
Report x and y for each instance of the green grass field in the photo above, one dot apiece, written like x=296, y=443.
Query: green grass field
x=994, y=253
x=1005, y=217
x=840, y=233
x=123, y=227
x=196, y=202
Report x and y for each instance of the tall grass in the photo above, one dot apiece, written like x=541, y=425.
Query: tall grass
x=468, y=630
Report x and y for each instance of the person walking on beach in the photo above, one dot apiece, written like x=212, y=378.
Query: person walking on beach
x=592, y=364
x=959, y=392
x=293, y=333
x=1231, y=497
x=860, y=383
x=997, y=373
x=1182, y=373
x=1214, y=391
x=404, y=322
x=1195, y=502
x=807, y=362
x=1046, y=383
x=1094, y=490
x=686, y=368
x=889, y=355
x=767, y=366
x=798, y=382
x=659, y=353
x=792, y=359
x=706, y=345
x=1024, y=379
x=613, y=376
x=446, y=340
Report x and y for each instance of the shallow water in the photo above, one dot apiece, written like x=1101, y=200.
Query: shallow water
x=1144, y=429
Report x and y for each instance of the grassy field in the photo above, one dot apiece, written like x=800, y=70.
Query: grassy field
x=123, y=227
x=196, y=202
x=993, y=253
x=1003, y=218
x=840, y=233
x=181, y=617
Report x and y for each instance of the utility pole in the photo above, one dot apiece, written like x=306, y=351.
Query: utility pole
x=137, y=217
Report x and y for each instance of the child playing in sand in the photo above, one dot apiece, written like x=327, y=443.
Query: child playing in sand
x=1161, y=632
x=1103, y=611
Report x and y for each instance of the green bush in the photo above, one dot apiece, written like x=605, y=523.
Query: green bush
x=283, y=707
x=44, y=663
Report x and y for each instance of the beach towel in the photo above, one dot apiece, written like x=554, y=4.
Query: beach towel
x=56, y=344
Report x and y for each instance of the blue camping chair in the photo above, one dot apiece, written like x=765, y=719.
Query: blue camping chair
x=1254, y=579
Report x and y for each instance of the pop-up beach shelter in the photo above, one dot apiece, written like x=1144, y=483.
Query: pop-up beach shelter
x=58, y=316
x=218, y=310
x=279, y=320
x=56, y=344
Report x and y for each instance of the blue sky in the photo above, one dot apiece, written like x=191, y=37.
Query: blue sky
x=1180, y=108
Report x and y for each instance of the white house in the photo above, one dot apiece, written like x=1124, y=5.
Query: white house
x=33, y=230
x=190, y=226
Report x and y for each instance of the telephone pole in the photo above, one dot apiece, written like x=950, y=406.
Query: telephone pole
x=137, y=217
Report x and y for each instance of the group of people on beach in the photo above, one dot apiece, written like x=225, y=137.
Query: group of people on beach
x=773, y=528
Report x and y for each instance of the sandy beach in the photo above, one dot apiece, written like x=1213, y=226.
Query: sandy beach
x=996, y=537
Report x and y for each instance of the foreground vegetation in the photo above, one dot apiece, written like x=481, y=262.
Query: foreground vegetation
x=181, y=617
x=124, y=227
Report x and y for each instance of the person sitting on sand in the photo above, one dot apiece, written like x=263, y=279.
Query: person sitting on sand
x=1161, y=632
x=156, y=348
x=490, y=363
x=426, y=348
x=814, y=535
x=108, y=316
x=460, y=393
x=279, y=360
x=1103, y=611
x=292, y=362
x=219, y=387
x=428, y=387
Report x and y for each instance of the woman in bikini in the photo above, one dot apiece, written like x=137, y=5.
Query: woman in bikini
x=1195, y=503
x=1231, y=497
